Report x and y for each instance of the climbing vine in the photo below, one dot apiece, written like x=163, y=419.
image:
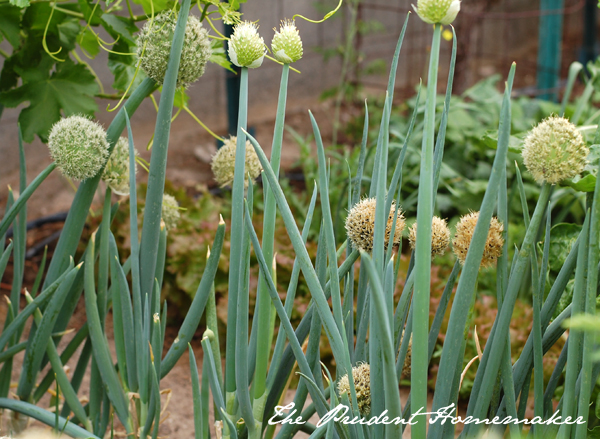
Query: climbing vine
x=50, y=43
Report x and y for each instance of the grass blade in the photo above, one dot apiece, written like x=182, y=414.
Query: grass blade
x=205, y=398
x=20, y=233
x=40, y=274
x=228, y=427
x=192, y=319
x=418, y=376
x=76, y=289
x=305, y=264
x=452, y=349
x=80, y=371
x=574, y=70
x=158, y=160
x=12, y=351
x=100, y=344
x=356, y=191
x=66, y=355
x=328, y=228
x=386, y=114
x=525, y=362
x=46, y=417
x=264, y=311
x=160, y=266
x=392, y=396
x=441, y=137
x=496, y=343
x=157, y=342
x=241, y=340
x=397, y=176
x=285, y=322
x=584, y=99
x=237, y=214
x=555, y=379
x=538, y=294
x=590, y=308
x=312, y=356
x=37, y=345
x=122, y=320
x=103, y=258
x=39, y=301
x=287, y=360
x=575, y=351
x=69, y=394
x=291, y=294
x=136, y=284
x=23, y=197
x=4, y=258
x=196, y=397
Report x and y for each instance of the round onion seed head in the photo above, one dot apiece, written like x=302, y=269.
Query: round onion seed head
x=464, y=233
x=287, y=45
x=223, y=163
x=154, y=46
x=406, y=367
x=360, y=225
x=554, y=150
x=437, y=11
x=170, y=211
x=116, y=171
x=440, y=236
x=246, y=46
x=362, y=385
x=78, y=146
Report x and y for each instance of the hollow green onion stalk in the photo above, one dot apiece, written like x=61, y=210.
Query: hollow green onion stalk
x=423, y=244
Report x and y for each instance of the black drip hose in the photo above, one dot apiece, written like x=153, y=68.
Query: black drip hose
x=39, y=222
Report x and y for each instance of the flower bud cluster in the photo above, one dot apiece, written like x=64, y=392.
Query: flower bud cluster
x=154, y=47
x=286, y=44
x=440, y=236
x=78, y=146
x=555, y=150
x=437, y=11
x=464, y=234
x=246, y=46
x=223, y=163
x=116, y=171
x=170, y=211
x=360, y=225
x=361, y=374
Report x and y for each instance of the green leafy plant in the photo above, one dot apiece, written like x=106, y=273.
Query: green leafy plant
x=49, y=43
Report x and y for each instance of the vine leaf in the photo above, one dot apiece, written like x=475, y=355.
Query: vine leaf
x=155, y=5
x=10, y=20
x=87, y=41
x=123, y=67
x=584, y=184
x=70, y=88
x=90, y=11
x=68, y=30
x=219, y=57
x=120, y=28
